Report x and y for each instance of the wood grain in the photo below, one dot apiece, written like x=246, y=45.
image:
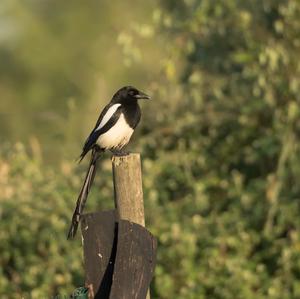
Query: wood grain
x=99, y=246
x=127, y=176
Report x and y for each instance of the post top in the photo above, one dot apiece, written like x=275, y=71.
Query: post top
x=117, y=160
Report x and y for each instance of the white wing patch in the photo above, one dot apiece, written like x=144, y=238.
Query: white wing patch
x=108, y=115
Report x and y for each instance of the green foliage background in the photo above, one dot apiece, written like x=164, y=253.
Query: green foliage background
x=220, y=140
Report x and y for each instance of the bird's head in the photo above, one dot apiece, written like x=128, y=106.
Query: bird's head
x=129, y=94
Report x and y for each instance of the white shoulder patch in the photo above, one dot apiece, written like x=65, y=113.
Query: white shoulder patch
x=109, y=113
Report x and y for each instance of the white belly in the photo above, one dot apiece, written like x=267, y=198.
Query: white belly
x=116, y=137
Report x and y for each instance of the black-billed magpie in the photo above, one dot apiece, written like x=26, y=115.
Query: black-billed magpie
x=112, y=131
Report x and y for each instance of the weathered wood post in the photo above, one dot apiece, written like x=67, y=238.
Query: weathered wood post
x=128, y=187
x=119, y=253
x=127, y=175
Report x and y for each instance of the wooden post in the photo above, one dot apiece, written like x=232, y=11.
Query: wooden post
x=127, y=176
x=119, y=252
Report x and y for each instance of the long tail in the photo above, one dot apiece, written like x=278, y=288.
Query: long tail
x=85, y=189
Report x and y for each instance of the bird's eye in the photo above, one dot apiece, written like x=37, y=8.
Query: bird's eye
x=132, y=92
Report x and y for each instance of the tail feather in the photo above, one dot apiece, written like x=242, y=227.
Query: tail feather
x=82, y=155
x=85, y=189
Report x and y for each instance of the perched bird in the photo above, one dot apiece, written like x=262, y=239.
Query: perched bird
x=112, y=131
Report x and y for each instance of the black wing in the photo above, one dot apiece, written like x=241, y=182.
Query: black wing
x=93, y=137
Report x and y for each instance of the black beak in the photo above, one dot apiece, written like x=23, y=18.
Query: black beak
x=142, y=95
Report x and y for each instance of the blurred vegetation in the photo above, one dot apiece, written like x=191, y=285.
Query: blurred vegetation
x=220, y=140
